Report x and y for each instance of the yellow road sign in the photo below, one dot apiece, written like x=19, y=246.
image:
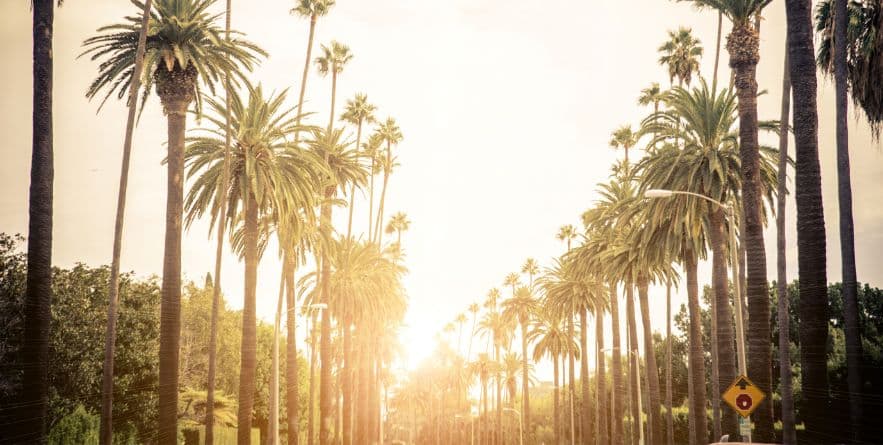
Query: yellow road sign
x=744, y=396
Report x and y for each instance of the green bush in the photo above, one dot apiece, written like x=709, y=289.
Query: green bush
x=77, y=428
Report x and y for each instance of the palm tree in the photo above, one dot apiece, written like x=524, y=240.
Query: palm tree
x=269, y=179
x=566, y=233
x=652, y=95
x=571, y=290
x=398, y=223
x=372, y=149
x=32, y=416
x=863, y=54
x=390, y=133
x=521, y=309
x=497, y=328
x=743, y=45
x=106, y=426
x=681, y=54
x=333, y=59
x=624, y=138
x=811, y=256
x=483, y=367
x=474, y=308
x=344, y=169
x=530, y=268
x=312, y=9
x=551, y=340
x=837, y=61
x=185, y=47
x=707, y=165
x=358, y=112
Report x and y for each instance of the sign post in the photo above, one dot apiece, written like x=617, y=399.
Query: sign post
x=744, y=397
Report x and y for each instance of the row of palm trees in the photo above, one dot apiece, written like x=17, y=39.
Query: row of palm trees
x=704, y=141
x=259, y=172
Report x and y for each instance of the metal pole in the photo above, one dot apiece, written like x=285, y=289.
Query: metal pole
x=740, y=328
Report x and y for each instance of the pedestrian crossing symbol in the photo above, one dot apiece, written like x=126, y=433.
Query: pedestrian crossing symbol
x=744, y=396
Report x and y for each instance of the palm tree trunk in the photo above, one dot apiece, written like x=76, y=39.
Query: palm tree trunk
x=555, y=422
x=291, y=377
x=789, y=435
x=811, y=243
x=362, y=420
x=326, y=414
x=31, y=417
x=333, y=97
x=743, y=44
x=347, y=381
x=634, y=376
x=715, y=372
x=274, y=379
x=602, y=411
x=378, y=227
x=303, y=80
x=585, y=415
x=106, y=427
x=170, y=310
x=725, y=333
x=525, y=382
x=499, y=406
x=616, y=403
x=371, y=198
x=249, y=324
x=571, y=368
x=668, y=395
x=847, y=235
x=697, y=353
x=349, y=224
x=655, y=417
x=717, y=50
x=311, y=418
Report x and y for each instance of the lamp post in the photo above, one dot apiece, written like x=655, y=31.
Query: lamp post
x=731, y=214
x=520, y=425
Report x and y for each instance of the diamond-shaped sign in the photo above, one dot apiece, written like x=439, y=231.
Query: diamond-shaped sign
x=743, y=396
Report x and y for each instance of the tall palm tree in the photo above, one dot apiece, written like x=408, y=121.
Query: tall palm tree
x=624, y=138
x=521, y=309
x=531, y=268
x=497, y=329
x=397, y=224
x=106, y=426
x=372, y=150
x=568, y=291
x=837, y=60
x=344, y=169
x=681, y=54
x=483, y=367
x=550, y=339
x=473, y=308
x=334, y=58
x=269, y=179
x=708, y=165
x=391, y=134
x=186, y=47
x=811, y=243
x=358, y=112
x=717, y=47
x=864, y=52
x=652, y=95
x=567, y=233
x=313, y=9
x=31, y=417
x=743, y=44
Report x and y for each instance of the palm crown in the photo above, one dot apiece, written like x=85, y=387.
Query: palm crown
x=681, y=54
x=182, y=37
x=310, y=8
x=333, y=59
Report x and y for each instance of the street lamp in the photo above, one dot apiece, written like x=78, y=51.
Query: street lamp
x=731, y=214
x=520, y=425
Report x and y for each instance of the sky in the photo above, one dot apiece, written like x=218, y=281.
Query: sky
x=506, y=110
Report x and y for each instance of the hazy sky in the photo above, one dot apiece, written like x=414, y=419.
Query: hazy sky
x=506, y=108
